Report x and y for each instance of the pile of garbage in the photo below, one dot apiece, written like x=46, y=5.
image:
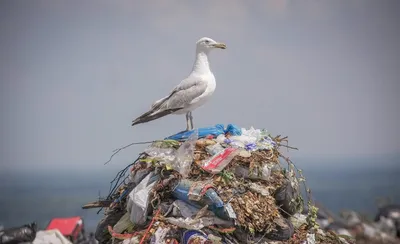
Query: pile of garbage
x=212, y=185
x=218, y=185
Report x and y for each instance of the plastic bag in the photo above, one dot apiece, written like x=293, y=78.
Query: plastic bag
x=285, y=196
x=254, y=133
x=242, y=140
x=139, y=198
x=184, y=156
x=163, y=154
x=50, y=237
x=233, y=130
x=16, y=235
x=252, y=139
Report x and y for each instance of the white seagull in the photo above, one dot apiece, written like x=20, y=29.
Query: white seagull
x=192, y=92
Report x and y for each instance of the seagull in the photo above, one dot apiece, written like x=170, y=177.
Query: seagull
x=191, y=92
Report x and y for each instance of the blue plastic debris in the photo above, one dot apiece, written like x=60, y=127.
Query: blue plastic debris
x=251, y=147
x=215, y=204
x=233, y=130
x=215, y=131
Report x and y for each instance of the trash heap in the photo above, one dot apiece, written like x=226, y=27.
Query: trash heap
x=212, y=185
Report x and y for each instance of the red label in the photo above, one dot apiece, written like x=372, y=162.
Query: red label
x=217, y=159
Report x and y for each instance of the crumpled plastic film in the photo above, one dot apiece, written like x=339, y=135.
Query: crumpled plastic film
x=184, y=155
x=139, y=200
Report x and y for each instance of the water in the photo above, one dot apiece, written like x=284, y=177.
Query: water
x=40, y=198
x=357, y=189
x=33, y=197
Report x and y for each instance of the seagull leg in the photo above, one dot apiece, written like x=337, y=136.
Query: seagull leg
x=188, y=123
x=191, y=120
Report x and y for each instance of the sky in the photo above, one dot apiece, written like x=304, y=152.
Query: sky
x=73, y=75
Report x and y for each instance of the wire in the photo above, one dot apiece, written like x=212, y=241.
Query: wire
x=124, y=147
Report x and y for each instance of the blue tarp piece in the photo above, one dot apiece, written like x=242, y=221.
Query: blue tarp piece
x=215, y=131
x=234, y=130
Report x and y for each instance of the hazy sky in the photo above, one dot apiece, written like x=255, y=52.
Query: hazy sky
x=75, y=73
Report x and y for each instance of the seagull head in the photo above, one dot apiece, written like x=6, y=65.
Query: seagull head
x=206, y=44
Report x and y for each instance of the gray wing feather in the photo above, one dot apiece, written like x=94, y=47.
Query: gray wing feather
x=188, y=90
x=184, y=93
x=158, y=102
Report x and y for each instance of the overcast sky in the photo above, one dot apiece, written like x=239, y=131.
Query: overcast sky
x=75, y=73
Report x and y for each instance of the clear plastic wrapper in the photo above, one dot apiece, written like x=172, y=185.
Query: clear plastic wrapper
x=243, y=140
x=184, y=155
x=164, y=154
x=236, y=144
x=214, y=149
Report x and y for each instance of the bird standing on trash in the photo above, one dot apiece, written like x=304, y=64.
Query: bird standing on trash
x=192, y=92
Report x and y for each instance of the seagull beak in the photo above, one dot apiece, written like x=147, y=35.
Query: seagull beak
x=219, y=45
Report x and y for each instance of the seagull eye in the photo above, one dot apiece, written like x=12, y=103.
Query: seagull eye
x=207, y=41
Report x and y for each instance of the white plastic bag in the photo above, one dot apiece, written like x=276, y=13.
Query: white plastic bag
x=50, y=237
x=139, y=200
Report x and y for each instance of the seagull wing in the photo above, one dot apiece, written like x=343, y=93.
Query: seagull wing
x=179, y=98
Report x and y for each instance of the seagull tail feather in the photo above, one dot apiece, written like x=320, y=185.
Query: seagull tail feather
x=152, y=115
